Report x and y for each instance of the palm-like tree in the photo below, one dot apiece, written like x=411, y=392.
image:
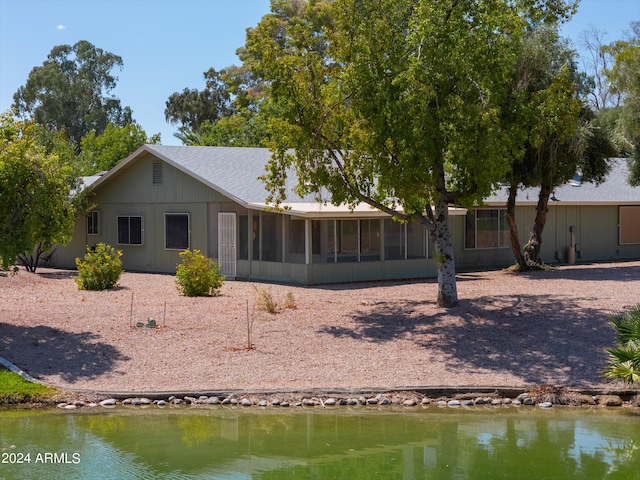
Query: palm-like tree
x=624, y=361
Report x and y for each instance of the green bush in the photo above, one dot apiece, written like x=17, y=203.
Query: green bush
x=624, y=360
x=198, y=275
x=100, y=269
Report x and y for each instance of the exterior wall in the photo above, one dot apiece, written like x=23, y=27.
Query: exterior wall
x=132, y=192
x=596, y=237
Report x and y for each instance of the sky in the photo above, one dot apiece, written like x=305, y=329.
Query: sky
x=167, y=45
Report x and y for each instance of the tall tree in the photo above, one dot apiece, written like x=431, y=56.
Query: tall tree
x=190, y=108
x=551, y=129
x=394, y=103
x=625, y=76
x=597, y=63
x=71, y=92
x=36, y=208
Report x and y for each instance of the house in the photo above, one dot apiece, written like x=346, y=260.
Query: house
x=164, y=199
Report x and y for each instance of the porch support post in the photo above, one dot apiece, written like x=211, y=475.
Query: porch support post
x=307, y=241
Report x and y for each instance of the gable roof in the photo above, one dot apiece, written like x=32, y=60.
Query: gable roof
x=614, y=190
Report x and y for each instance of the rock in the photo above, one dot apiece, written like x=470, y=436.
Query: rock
x=453, y=403
x=372, y=401
x=171, y=398
x=203, y=398
x=226, y=401
x=385, y=401
x=109, y=402
x=141, y=401
x=176, y=401
x=496, y=401
x=425, y=401
x=246, y=402
x=330, y=401
x=284, y=404
x=609, y=400
x=212, y=401
x=545, y=405
x=467, y=403
x=507, y=401
x=160, y=403
x=410, y=402
x=516, y=402
x=352, y=401
x=62, y=405
x=262, y=403
x=479, y=401
x=275, y=402
x=442, y=403
x=70, y=407
x=342, y=401
x=79, y=403
x=92, y=404
x=234, y=401
x=528, y=401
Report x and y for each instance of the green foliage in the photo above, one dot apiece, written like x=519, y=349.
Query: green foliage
x=36, y=206
x=70, y=91
x=624, y=360
x=198, y=275
x=100, y=269
x=15, y=389
x=101, y=152
x=190, y=108
x=394, y=103
x=266, y=301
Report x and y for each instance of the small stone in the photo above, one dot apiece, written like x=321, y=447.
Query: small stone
x=411, y=402
x=362, y=400
x=203, y=398
x=127, y=401
x=528, y=401
x=70, y=407
x=171, y=398
x=177, y=401
x=79, y=403
x=284, y=404
x=109, y=402
x=467, y=403
x=234, y=401
x=342, y=401
x=516, y=402
x=226, y=401
x=453, y=403
x=352, y=401
x=275, y=402
x=385, y=401
x=246, y=402
x=442, y=403
x=212, y=401
x=609, y=400
x=262, y=403
x=496, y=402
x=545, y=405
x=92, y=404
x=507, y=401
x=372, y=401
x=425, y=401
x=62, y=405
x=330, y=401
x=479, y=401
x=160, y=403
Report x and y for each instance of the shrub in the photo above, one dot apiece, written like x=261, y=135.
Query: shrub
x=624, y=361
x=100, y=269
x=266, y=301
x=198, y=275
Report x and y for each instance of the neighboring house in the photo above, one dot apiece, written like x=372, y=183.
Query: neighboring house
x=164, y=199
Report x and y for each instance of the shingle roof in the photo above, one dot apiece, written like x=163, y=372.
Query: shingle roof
x=614, y=190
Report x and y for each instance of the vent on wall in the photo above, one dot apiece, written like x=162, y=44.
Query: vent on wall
x=157, y=173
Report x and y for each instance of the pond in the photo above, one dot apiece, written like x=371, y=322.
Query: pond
x=301, y=443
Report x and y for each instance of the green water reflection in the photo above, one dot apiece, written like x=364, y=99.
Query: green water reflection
x=236, y=443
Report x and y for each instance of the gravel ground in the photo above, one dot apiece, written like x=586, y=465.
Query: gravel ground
x=510, y=330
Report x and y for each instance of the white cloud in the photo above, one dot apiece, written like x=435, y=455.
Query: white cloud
x=61, y=27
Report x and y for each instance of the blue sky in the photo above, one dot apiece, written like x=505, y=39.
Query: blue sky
x=166, y=45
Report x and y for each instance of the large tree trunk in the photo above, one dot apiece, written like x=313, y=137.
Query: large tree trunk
x=513, y=228
x=443, y=246
x=534, y=245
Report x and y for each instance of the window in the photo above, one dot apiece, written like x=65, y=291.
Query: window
x=487, y=228
x=394, y=240
x=130, y=230
x=369, y=240
x=93, y=223
x=296, y=240
x=243, y=237
x=629, y=225
x=176, y=231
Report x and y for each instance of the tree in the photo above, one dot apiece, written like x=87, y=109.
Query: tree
x=598, y=62
x=625, y=76
x=102, y=152
x=191, y=108
x=36, y=208
x=70, y=92
x=552, y=131
x=394, y=103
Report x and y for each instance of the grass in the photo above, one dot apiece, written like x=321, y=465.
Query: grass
x=14, y=389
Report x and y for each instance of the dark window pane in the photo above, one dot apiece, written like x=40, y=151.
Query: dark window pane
x=177, y=232
x=123, y=230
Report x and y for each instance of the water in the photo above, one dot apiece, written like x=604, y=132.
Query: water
x=341, y=443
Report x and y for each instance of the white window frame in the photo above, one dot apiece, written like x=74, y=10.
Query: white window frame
x=475, y=226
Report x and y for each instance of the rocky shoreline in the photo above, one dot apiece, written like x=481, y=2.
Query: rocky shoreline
x=542, y=397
